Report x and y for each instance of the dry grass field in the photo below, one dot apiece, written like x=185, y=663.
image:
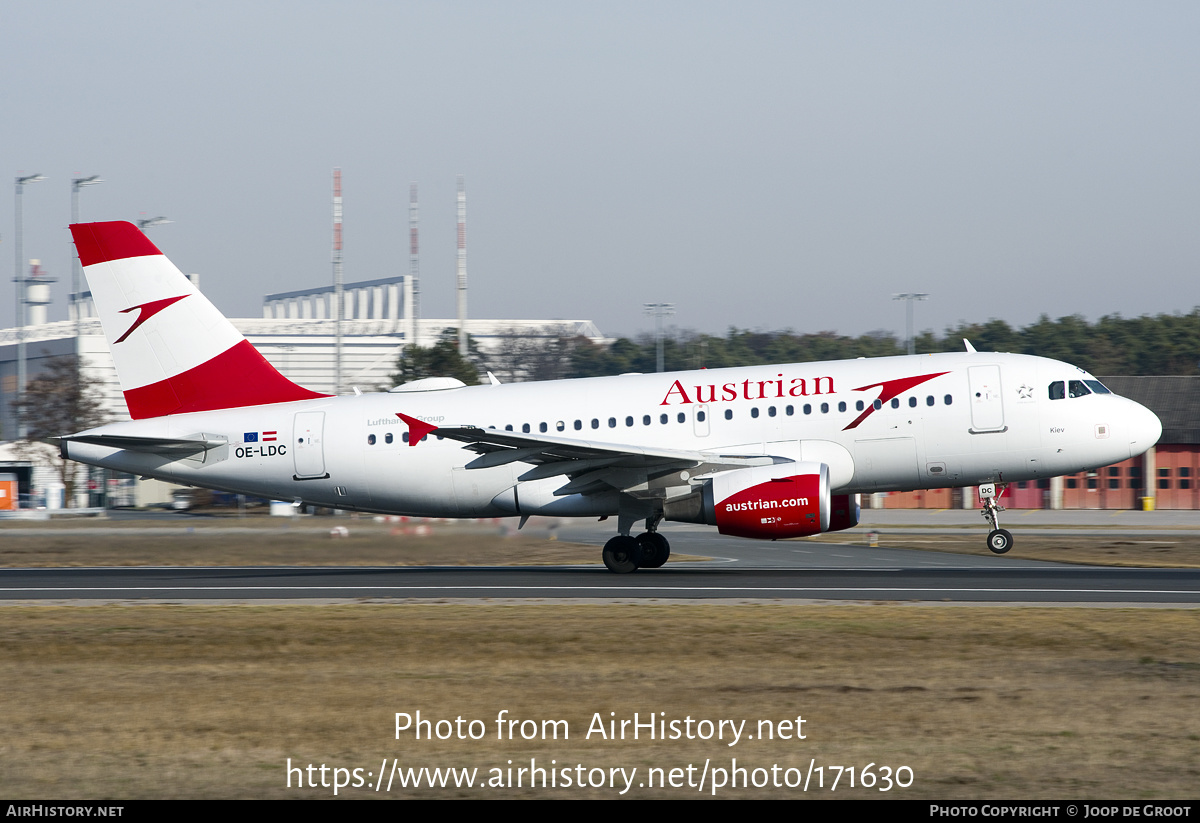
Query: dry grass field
x=130, y=701
x=264, y=543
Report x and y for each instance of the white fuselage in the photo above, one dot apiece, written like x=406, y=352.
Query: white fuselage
x=958, y=420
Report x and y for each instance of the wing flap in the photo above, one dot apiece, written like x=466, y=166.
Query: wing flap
x=591, y=467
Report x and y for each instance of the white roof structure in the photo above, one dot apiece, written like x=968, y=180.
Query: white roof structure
x=296, y=336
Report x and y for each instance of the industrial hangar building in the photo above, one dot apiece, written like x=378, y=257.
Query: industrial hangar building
x=295, y=334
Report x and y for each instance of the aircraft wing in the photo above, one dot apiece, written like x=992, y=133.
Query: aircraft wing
x=591, y=467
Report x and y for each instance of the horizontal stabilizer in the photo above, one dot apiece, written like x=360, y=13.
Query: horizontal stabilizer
x=167, y=446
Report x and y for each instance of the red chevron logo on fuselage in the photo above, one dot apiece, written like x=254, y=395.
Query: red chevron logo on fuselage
x=888, y=390
x=148, y=310
x=416, y=428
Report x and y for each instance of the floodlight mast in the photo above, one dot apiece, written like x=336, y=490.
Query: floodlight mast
x=19, y=282
x=659, y=310
x=78, y=183
x=910, y=297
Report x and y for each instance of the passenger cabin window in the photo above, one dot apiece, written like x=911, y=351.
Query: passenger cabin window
x=387, y=438
x=729, y=414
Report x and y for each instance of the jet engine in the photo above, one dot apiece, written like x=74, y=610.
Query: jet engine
x=768, y=502
x=844, y=512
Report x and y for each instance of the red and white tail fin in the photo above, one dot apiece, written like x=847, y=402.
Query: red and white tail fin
x=174, y=352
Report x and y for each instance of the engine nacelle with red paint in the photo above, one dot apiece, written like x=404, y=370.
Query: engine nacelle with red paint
x=765, y=502
x=844, y=512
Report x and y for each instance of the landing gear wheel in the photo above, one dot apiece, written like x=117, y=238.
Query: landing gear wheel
x=655, y=550
x=623, y=554
x=1000, y=541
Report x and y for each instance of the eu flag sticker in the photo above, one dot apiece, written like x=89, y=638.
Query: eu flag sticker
x=250, y=437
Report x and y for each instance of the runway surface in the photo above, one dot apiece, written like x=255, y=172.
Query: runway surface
x=1052, y=584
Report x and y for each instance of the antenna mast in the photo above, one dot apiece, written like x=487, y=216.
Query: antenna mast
x=413, y=287
x=462, y=269
x=337, y=280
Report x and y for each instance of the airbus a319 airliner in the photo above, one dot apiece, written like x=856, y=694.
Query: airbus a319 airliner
x=763, y=451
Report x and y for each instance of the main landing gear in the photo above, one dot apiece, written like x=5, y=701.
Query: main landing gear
x=998, y=540
x=649, y=550
x=655, y=549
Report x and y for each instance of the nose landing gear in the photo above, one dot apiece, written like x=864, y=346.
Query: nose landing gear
x=998, y=540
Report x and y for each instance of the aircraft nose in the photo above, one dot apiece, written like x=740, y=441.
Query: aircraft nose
x=1144, y=429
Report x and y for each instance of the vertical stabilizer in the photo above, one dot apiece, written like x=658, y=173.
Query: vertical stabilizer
x=174, y=352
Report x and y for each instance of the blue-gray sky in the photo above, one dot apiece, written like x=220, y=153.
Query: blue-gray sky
x=762, y=165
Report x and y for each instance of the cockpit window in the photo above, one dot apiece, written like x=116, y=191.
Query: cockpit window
x=1075, y=388
x=1097, y=387
x=1058, y=390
